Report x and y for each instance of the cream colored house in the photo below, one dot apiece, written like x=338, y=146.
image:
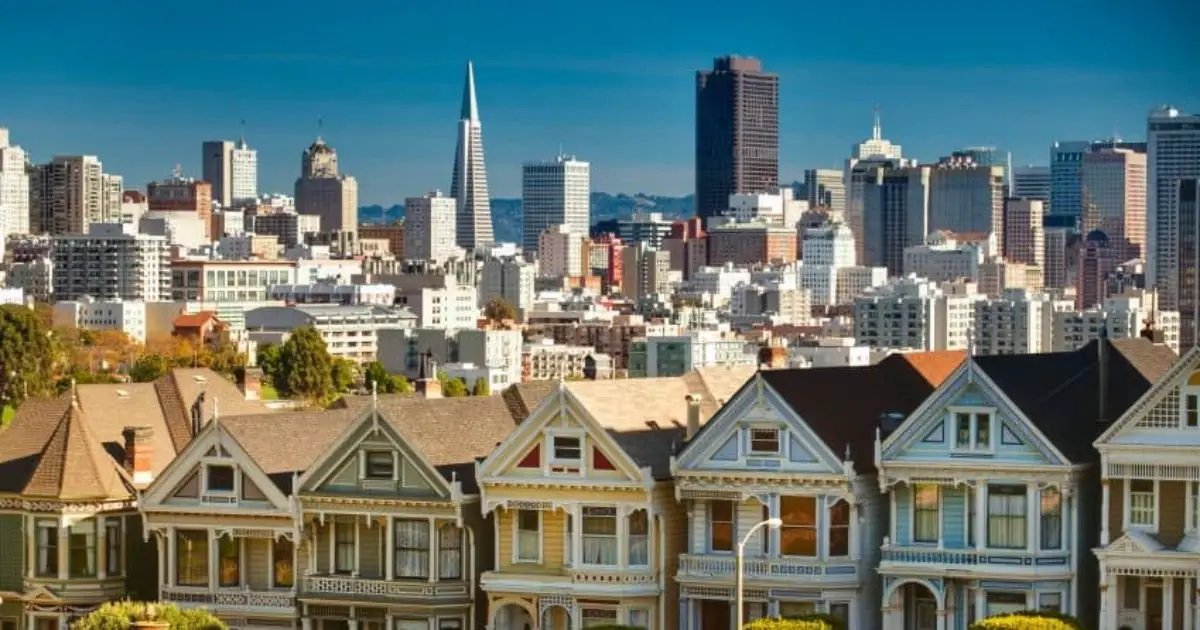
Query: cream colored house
x=1149, y=549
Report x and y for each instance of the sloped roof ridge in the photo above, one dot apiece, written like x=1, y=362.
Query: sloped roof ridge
x=73, y=464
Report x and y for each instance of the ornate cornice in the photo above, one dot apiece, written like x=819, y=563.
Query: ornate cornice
x=52, y=506
x=380, y=504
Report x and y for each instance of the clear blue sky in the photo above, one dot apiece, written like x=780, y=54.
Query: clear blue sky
x=142, y=83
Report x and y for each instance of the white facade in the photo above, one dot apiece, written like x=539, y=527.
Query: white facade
x=911, y=313
x=851, y=282
x=780, y=208
x=1172, y=153
x=828, y=245
x=12, y=295
x=1118, y=318
x=14, y=190
x=429, y=227
x=718, y=281
x=184, y=229
x=452, y=307
x=243, y=167
x=554, y=193
x=469, y=186
x=1018, y=322
x=346, y=294
x=35, y=277
x=700, y=348
x=828, y=352
x=944, y=261
x=349, y=332
x=560, y=251
x=470, y=373
x=111, y=262
x=327, y=270
x=86, y=313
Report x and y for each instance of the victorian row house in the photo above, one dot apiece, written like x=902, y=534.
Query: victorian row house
x=919, y=493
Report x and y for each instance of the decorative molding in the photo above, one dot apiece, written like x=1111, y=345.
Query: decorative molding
x=65, y=507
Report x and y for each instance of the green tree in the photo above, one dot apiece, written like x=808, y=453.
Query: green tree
x=400, y=384
x=481, y=387
x=374, y=374
x=455, y=388
x=27, y=355
x=498, y=310
x=270, y=357
x=149, y=367
x=342, y=373
x=123, y=614
x=305, y=367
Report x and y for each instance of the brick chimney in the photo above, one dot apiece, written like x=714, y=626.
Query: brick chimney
x=250, y=382
x=693, y=415
x=427, y=384
x=139, y=454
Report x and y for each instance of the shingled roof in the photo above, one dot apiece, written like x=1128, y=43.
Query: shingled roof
x=1060, y=392
x=845, y=405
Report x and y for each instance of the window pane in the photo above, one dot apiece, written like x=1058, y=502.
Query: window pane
x=82, y=537
x=639, y=538
x=113, y=547
x=925, y=513
x=567, y=448
x=528, y=535
x=1141, y=502
x=380, y=465
x=1051, y=524
x=839, y=529
x=228, y=561
x=962, y=432
x=1006, y=517
x=798, y=535
x=764, y=440
x=599, y=536
x=720, y=525
x=284, y=574
x=191, y=558
x=343, y=534
x=220, y=478
x=983, y=433
x=47, y=555
x=450, y=552
x=412, y=548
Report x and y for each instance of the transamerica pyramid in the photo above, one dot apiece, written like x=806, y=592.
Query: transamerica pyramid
x=469, y=188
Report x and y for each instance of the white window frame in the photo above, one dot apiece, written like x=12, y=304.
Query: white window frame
x=516, y=537
x=632, y=610
x=366, y=464
x=1184, y=392
x=974, y=412
x=1062, y=599
x=1127, y=506
x=1192, y=518
x=552, y=458
x=912, y=515
x=226, y=463
x=750, y=441
x=618, y=536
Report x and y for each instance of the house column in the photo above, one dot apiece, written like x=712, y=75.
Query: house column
x=171, y=553
x=1189, y=611
x=389, y=551
x=31, y=545
x=101, y=547
x=357, y=551
x=1168, y=605
x=333, y=546
x=64, y=551
x=941, y=618
x=213, y=557
x=1104, y=512
x=1033, y=508
x=980, y=523
x=1108, y=597
x=433, y=549
x=980, y=604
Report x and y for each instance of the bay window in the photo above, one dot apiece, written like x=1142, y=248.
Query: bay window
x=1194, y=525
x=47, y=548
x=972, y=431
x=1052, y=519
x=1141, y=503
x=191, y=557
x=450, y=544
x=283, y=574
x=839, y=529
x=529, y=536
x=412, y=548
x=798, y=534
x=82, y=549
x=970, y=495
x=112, y=546
x=229, y=554
x=720, y=525
x=925, y=512
x=1006, y=517
x=639, y=538
x=597, y=617
x=343, y=547
x=599, y=529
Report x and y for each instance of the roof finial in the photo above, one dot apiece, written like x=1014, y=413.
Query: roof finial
x=216, y=413
x=74, y=393
x=877, y=130
x=374, y=395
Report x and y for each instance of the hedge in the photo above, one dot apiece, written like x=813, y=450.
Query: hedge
x=804, y=622
x=1029, y=620
x=121, y=615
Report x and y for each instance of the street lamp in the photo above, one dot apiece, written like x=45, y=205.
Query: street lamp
x=772, y=523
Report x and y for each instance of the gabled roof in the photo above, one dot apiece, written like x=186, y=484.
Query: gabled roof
x=1168, y=379
x=1059, y=392
x=72, y=464
x=195, y=320
x=845, y=405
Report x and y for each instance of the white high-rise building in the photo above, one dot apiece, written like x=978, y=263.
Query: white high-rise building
x=554, y=193
x=1172, y=153
x=560, y=251
x=1016, y=322
x=429, y=227
x=469, y=182
x=508, y=279
x=829, y=245
x=232, y=169
x=244, y=168
x=826, y=187
x=1032, y=182
x=915, y=314
x=111, y=262
x=14, y=190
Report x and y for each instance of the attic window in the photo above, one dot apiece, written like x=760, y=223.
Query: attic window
x=1191, y=410
x=380, y=465
x=218, y=478
x=567, y=448
x=764, y=441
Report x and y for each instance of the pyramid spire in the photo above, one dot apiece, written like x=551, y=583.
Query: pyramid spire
x=877, y=130
x=470, y=107
x=73, y=464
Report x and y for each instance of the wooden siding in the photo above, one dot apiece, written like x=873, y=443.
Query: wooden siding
x=673, y=524
x=553, y=531
x=12, y=540
x=258, y=561
x=1116, y=502
x=1172, y=512
x=371, y=558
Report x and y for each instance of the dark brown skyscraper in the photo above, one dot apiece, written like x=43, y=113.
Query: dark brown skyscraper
x=1189, y=263
x=737, y=132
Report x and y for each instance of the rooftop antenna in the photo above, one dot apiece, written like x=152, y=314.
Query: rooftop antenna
x=242, y=131
x=320, y=126
x=877, y=130
x=177, y=171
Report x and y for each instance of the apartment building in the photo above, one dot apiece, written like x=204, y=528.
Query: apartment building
x=111, y=262
x=87, y=313
x=349, y=332
x=344, y=294
x=228, y=280
x=915, y=314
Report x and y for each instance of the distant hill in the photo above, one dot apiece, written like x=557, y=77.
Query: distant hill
x=506, y=213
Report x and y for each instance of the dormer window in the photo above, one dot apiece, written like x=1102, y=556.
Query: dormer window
x=567, y=449
x=1191, y=410
x=380, y=465
x=973, y=430
x=218, y=478
x=764, y=441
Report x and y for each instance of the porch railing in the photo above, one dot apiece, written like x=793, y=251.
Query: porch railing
x=355, y=586
x=230, y=598
x=702, y=566
x=975, y=557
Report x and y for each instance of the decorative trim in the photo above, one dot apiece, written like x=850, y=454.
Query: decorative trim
x=1183, y=367
x=64, y=507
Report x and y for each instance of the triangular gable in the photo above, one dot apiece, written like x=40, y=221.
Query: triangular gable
x=1158, y=393
x=723, y=443
x=41, y=594
x=212, y=438
x=1135, y=542
x=560, y=410
x=926, y=429
x=372, y=426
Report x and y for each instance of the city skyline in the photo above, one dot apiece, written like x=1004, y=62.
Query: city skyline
x=628, y=109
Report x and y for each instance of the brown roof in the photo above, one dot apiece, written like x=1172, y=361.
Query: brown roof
x=28, y=443
x=846, y=405
x=1150, y=360
x=194, y=320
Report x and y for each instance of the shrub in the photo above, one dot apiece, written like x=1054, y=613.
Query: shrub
x=804, y=622
x=1029, y=620
x=122, y=615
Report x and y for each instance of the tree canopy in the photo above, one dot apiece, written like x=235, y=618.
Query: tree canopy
x=815, y=621
x=305, y=367
x=375, y=374
x=121, y=615
x=1028, y=620
x=481, y=387
x=27, y=355
x=455, y=388
x=499, y=310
